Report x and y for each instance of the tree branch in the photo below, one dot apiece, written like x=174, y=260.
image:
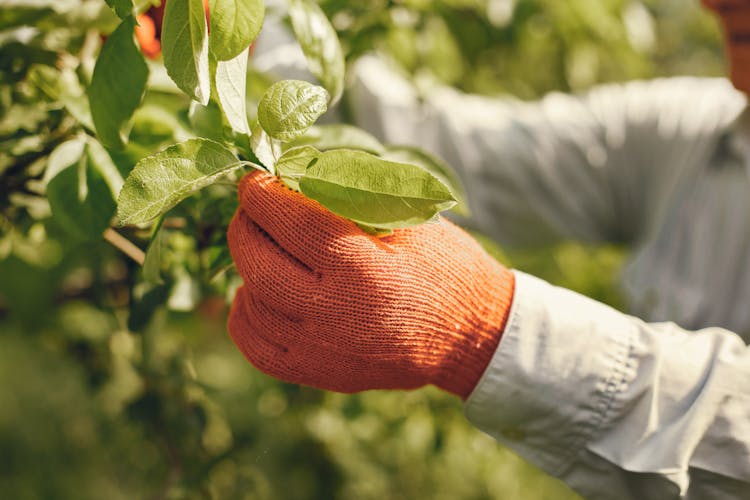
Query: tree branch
x=124, y=245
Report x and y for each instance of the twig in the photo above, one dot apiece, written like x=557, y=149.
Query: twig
x=124, y=245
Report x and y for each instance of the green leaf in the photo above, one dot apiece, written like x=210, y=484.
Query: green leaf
x=219, y=260
x=293, y=164
x=184, y=43
x=161, y=120
x=147, y=298
x=242, y=145
x=63, y=156
x=81, y=201
x=206, y=120
x=75, y=98
x=290, y=107
x=231, y=80
x=118, y=85
x=123, y=8
x=234, y=26
x=152, y=262
x=102, y=162
x=321, y=46
x=160, y=181
x=265, y=148
x=436, y=167
x=338, y=136
x=64, y=86
x=373, y=191
x=375, y=231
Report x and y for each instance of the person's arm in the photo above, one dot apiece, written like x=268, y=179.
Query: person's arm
x=615, y=407
x=618, y=408
x=594, y=167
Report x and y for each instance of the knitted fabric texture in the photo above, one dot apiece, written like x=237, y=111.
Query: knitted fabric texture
x=326, y=305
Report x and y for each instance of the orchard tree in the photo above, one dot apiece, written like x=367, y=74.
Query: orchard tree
x=125, y=126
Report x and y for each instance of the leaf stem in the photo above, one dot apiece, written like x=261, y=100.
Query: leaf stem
x=124, y=245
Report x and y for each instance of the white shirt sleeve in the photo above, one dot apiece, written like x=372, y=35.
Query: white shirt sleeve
x=593, y=167
x=615, y=407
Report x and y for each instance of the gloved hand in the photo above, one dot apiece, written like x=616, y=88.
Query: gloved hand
x=326, y=305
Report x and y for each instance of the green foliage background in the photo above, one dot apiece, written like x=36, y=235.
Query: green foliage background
x=104, y=396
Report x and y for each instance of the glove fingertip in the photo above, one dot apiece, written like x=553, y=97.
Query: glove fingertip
x=249, y=182
x=259, y=189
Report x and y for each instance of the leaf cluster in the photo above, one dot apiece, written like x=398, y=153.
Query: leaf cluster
x=377, y=193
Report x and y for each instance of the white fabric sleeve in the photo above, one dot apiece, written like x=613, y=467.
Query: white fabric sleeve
x=615, y=407
x=594, y=167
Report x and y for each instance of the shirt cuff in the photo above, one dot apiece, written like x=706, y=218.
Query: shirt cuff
x=552, y=380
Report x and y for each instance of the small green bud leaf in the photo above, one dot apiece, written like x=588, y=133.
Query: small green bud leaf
x=290, y=107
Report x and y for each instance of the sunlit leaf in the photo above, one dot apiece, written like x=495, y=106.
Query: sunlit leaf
x=290, y=107
x=231, y=79
x=293, y=164
x=63, y=156
x=184, y=42
x=373, y=191
x=338, y=136
x=160, y=181
x=265, y=148
x=320, y=44
x=234, y=26
x=436, y=167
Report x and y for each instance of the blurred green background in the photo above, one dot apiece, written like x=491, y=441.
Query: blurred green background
x=112, y=389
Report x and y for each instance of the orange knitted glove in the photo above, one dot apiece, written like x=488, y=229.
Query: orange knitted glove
x=326, y=305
